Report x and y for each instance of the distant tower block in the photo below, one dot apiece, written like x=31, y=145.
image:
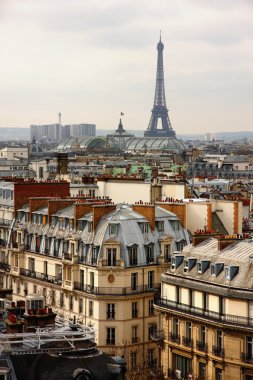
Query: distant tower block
x=59, y=115
x=159, y=110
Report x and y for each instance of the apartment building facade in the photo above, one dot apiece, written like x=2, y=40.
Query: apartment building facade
x=205, y=312
x=96, y=261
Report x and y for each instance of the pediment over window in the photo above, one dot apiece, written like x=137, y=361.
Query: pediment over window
x=111, y=242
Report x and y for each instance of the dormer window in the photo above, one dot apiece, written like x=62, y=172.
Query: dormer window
x=175, y=225
x=89, y=225
x=160, y=226
x=186, y=265
x=173, y=263
x=113, y=229
x=199, y=267
x=212, y=270
x=144, y=228
x=61, y=223
x=231, y=272
x=227, y=273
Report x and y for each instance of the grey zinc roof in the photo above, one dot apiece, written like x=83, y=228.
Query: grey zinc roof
x=237, y=254
x=67, y=212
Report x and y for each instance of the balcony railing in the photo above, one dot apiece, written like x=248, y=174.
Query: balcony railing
x=201, y=346
x=157, y=335
x=218, y=351
x=4, y=266
x=2, y=242
x=111, y=263
x=188, y=342
x=208, y=314
x=40, y=276
x=5, y=222
x=67, y=256
x=247, y=357
x=114, y=290
x=174, y=338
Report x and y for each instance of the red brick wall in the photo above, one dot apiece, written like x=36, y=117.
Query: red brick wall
x=24, y=190
x=99, y=211
x=148, y=211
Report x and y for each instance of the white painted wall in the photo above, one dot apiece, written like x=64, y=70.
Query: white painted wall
x=174, y=190
x=125, y=192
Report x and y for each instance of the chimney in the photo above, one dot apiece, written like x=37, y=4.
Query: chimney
x=62, y=163
x=148, y=211
x=99, y=211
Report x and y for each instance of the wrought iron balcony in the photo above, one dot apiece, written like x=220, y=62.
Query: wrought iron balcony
x=201, y=346
x=40, y=276
x=111, y=263
x=5, y=222
x=218, y=351
x=2, y=242
x=203, y=313
x=247, y=357
x=4, y=266
x=174, y=338
x=120, y=291
x=188, y=342
x=67, y=256
x=157, y=335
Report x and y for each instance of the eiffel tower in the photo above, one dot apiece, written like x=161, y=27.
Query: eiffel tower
x=159, y=111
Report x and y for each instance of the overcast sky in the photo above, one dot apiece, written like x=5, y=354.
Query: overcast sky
x=92, y=59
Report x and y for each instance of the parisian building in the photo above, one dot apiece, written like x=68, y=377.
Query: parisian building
x=205, y=311
x=95, y=261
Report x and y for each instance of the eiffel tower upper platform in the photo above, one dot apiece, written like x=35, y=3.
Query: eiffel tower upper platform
x=159, y=111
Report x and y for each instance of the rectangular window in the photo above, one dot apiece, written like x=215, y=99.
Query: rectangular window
x=175, y=224
x=111, y=256
x=110, y=312
x=94, y=255
x=133, y=256
x=167, y=255
x=199, y=267
x=188, y=330
x=219, y=339
x=31, y=264
x=151, y=276
x=134, y=281
x=144, y=228
x=227, y=273
x=113, y=229
x=80, y=305
x=202, y=370
x=160, y=226
x=134, y=334
x=151, y=330
x=62, y=300
x=110, y=335
x=151, y=307
x=151, y=359
x=150, y=254
x=202, y=334
x=90, y=308
x=249, y=346
x=134, y=309
x=133, y=360
x=175, y=326
x=70, y=303
x=218, y=374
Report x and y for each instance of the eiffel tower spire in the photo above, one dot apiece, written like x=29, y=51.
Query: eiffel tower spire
x=159, y=111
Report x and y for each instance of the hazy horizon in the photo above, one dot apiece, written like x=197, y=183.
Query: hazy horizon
x=93, y=60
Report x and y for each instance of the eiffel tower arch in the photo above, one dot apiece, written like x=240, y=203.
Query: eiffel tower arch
x=160, y=110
